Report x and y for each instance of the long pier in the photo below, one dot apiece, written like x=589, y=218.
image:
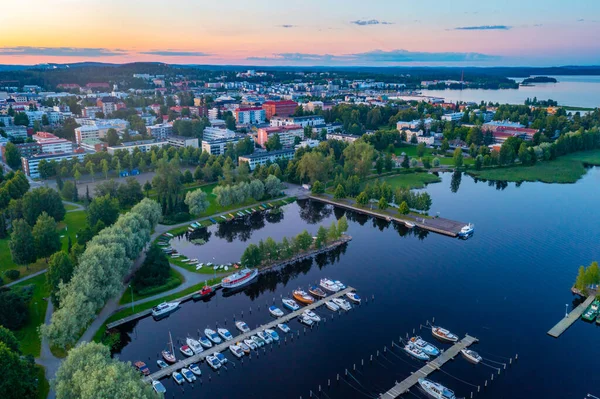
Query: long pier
x=437, y=225
x=225, y=345
x=430, y=367
x=571, y=318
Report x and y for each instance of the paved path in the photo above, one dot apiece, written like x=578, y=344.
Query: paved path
x=79, y=206
x=26, y=278
x=47, y=359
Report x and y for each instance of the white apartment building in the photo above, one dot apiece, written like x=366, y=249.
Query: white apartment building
x=86, y=132
x=181, y=141
x=453, y=117
x=144, y=146
x=261, y=158
x=311, y=120
x=30, y=165
x=218, y=146
x=213, y=133
x=160, y=131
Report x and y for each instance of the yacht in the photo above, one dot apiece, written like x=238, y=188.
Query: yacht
x=239, y=278
x=283, y=327
x=266, y=337
x=164, y=308
x=342, y=303
x=412, y=350
x=186, y=350
x=158, y=387
x=161, y=364
x=251, y=343
x=316, y=291
x=438, y=391
x=471, y=355
x=311, y=315
x=177, y=377
x=273, y=334
x=225, y=334
x=290, y=304
x=305, y=320
x=425, y=346
x=236, y=350
x=467, y=230
x=188, y=375
x=213, y=336
x=332, y=306
x=195, y=369
x=243, y=347
x=443, y=334
x=169, y=356
x=205, y=342
x=275, y=311
x=353, y=296
x=409, y=225
x=194, y=345
x=220, y=357
x=213, y=362
x=243, y=327
x=329, y=285
x=340, y=285
x=258, y=340
x=303, y=297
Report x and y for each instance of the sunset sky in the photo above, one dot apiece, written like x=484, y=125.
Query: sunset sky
x=307, y=32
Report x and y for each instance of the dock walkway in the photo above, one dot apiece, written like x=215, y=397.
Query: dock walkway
x=403, y=387
x=225, y=345
x=566, y=322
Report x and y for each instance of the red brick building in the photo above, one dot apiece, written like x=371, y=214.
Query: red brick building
x=279, y=108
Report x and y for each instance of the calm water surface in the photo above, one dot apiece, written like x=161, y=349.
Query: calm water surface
x=576, y=91
x=507, y=285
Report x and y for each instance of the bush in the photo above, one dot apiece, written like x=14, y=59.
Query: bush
x=181, y=217
x=12, y=274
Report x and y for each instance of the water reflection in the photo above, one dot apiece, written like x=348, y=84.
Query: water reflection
x=313, y=212
x=455, y=182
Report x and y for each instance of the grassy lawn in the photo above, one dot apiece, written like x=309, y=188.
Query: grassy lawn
x=69, y=207
x=43, y=385
x=28, y=337
x=411, y=180
x=411, y=151
x=566, y=169
x=174, y=280
x=74, y=221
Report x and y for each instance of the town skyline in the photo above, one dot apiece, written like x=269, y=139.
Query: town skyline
x=463, y=33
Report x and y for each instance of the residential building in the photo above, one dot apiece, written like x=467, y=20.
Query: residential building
x=110, y=104
x=329, y=128
x=90, y=112
x=428, y=140
x=414, y=124
x=218, y=146
x=279, y=108
x=261, y=158
x=6, y=120
x=311, y=106
x=26, y=150
x=93, y=145
x=287, y=134
x=34, y=116
x=213, y=133
x=311, y=120
x=86, y=132
x=309, y=143
x=160, y=131
x=250, y=115
x=30, y=165
x=15, y=132
x=348, y=138
x=453, y=117
x=51, y=144
x=144, y=146
x=181, y=141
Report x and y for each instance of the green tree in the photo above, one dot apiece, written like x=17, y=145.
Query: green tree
x=274, y=143
x=426, y=162
x=155, y=270
x=321, y=237
x=332, y=232
x=436, y=162
x=13, y=309
x=362, y=199
x=339, y=192
x=382, y=204
x=60, y=270
x=105, y=168
x=20, y=243
x=197, y=201
x=251, y=256
x=342, y=224
x=388, y=162
x=18, y=373
x=478, y=162
x=112, y=138
x=12, y=155
x=317, y=188
x=273, y=186
x=420, y=150
x=68, y=190
x=358, y=159
x=413, y=139
x=405, y=162
x=457, y=158
x=105, y=209
x=45, y=236
x=404, y=209
x=9, y=339
x=379, y=163
x=445, y=145
x=303, y=240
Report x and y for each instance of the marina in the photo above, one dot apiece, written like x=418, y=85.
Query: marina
x=225, y=345
x=571, y=318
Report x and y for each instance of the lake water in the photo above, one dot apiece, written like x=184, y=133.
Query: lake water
x=576, y=91
x=507, y=285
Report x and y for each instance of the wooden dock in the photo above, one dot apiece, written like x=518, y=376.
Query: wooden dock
x=225, y=345
x=571, y=318
x=437, y=225
x=403, y=387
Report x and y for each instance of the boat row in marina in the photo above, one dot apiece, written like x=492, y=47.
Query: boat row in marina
x=420, y=349
x=592, y=312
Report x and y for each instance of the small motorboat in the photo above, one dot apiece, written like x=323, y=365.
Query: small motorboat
x=275, y=311
x=290, y=304
x=329, y=285
x=342, y=303
x=283, y=327
x=168, y=356
x=409, y=225
x=471, y=355
x=467, y=230
x=332, y=306
x=188, y=375
x=236, y=350
x=438, y=391
x=158, y=387
x=194, y=345
x=251, y=343
x=220, y=357
x=425, y=346
x=186, y=350
x=212, y=335
x=353, y=296
x=340, y=285
x=259, y=341
x=443, y=334
x=306, y=320
x=415, y=352
x=195, y=369
x=205, y=342
x=243, y=347
x=266, y=337
x=311, y=315
x=142, y=368
x=303, y=297
x=177, y=377
x=213, y=362
x=225, y=334
x=273, y=334
x=161, y=364
x=164, y=308
x=243, y=327
x=316, y=291
x=203, y=293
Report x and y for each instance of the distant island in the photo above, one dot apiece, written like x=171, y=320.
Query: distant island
x=539, y=79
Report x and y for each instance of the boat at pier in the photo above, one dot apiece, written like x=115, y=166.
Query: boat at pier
x=212, y=335
x=303, y=297
x=177, y=377
x=161, y=364
x=283, y=327
x=265, y=337
x=205, y=342
x=240, y=278
x=169, y=354
x=316, y=291
x=471, y=355
x=242, y=326
x=243, y=347
x=205, y=292
x=251, y=344
x=290, y=304
x=225, y=334
x=213, y=362
x=342, y=303
x=443, y=334
x=332, y=306
x=305, y=320
x=425, y=346
x=164, y=308
x=438, y=391
x=194, y=345
x=236, y=350
x=275, y=311
x=258, y=340
x=158, y=387
x=354, y=297
x=195, y=369
x=188, y=375
x=415, y=352
x=186, y=350
x=220, y=357
x=592, y=311
x=273, y=334
x=142, y=368
x=311, y=315
x=467, y=230
x=329, y=285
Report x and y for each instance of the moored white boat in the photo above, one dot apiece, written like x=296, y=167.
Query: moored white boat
x=225, y=334
x=243, y=327
x=353, y=296
x=195, y=369
x=258, y=340
x=186, y=350
x=415, y=352
x=438, y=391
x=161, y=364
x=283, y=327
x=443, y=334
x=220, y=357
x=164, y=308
x=177, y=377
x=409, y=225
x=273, y=334
x=213, y=362
x=332, y=306
x=342, y=303
x=251, y=344
x=239, y=278
x=275, y=311
x=290, y=304
x=311, y=315
x=188, y=375
x=467, y=230
x=212, y=335
x=471, y=355
x=205, y=342
x=329, y=285
x=425, y=346
x=243, y=347
x=194, y=345
x=340, y=285
x=158, y=387
x=265, y=337
x=306, y=320
x=236, y=350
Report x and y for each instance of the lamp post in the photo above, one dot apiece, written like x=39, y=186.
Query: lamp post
x=566, y=309
x=132, y=307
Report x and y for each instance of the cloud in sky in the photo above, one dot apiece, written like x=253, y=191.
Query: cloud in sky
x=485, y=27
x=367, y=22
x=175, y=53
x=376, y=57
x=61, y=51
